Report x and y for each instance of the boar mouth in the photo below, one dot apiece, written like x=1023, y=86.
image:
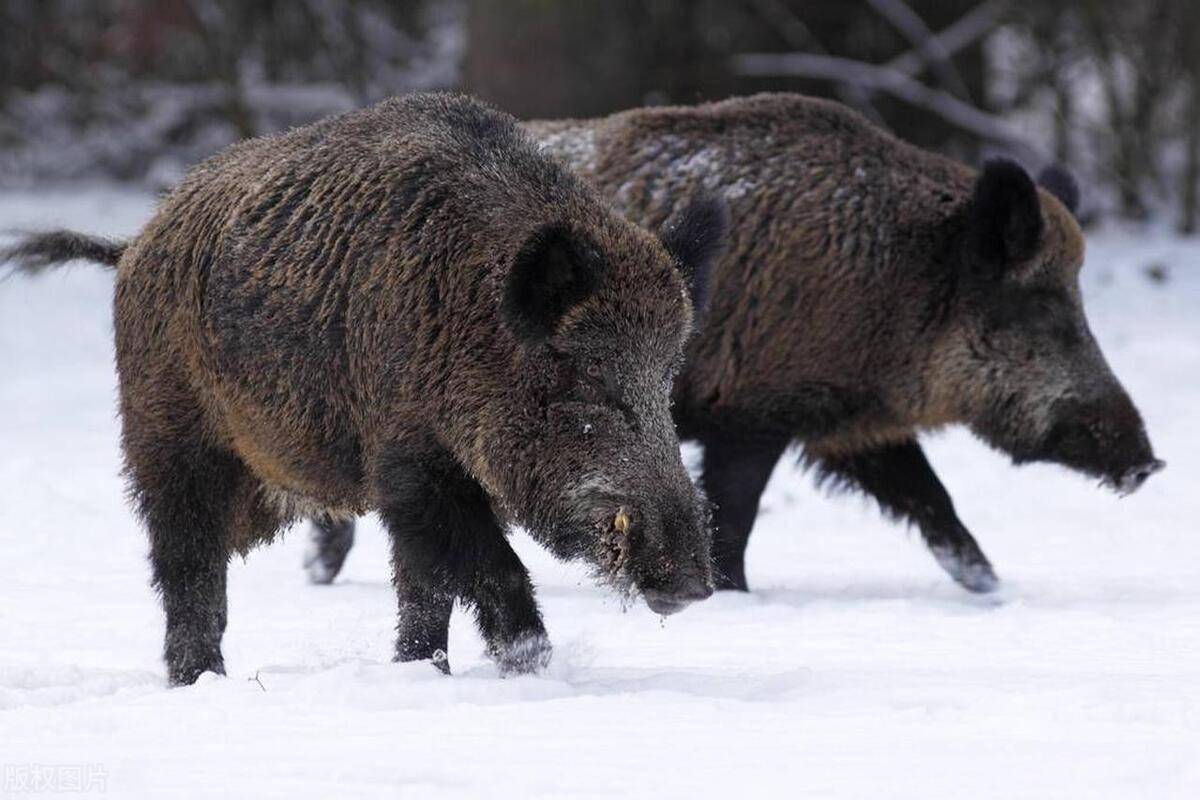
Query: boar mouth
x=616, y=534
x=1109, y=445
x=614, y=547
x=1129, y=481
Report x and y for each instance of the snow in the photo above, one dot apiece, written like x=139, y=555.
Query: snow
x=855, y=668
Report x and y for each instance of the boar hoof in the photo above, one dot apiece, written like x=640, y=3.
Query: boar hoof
x=186, y=672
x=970, y=570
x=329, y=544
x=730, y=575
x=725, y=583
x=529, y=652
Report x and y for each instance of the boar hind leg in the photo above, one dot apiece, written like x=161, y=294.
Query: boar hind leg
x=901, y=479
x=189, y=496
x=735, y=472
x=447, y=545
x=330, y=543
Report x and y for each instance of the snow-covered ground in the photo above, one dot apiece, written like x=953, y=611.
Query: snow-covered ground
x=855, y=669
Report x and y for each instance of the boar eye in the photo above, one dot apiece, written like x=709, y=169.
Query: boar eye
x=593, y=382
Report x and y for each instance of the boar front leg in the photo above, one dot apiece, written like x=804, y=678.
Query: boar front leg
x=901, y=479
x=735, y=472
x=447, y=545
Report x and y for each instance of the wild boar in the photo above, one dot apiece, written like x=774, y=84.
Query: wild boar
x=406, y=309
x=871, y=291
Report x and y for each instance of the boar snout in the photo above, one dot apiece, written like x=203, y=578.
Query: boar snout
x=1134, y=477
x=1106, y=438
x=678, y=596
x=672, y=563
x=653, y=546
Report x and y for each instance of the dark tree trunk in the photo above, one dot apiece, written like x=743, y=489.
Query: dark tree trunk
x=1189, y=190
x=542, y=59
x=1189, y=216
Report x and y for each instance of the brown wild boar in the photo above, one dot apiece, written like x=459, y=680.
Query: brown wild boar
x=406, y=309
x=871, y=291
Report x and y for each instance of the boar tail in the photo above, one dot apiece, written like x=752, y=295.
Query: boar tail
x=33, y=253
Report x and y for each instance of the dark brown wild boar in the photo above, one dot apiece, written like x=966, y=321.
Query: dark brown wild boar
x=872, y=291
x=406, y=309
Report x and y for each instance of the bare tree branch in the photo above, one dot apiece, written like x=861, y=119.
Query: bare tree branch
x=800, y=37
x=807, y=65
x=895, y=77
x=967, y=30
x=924, y=43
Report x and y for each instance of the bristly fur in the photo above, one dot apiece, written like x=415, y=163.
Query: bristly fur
x=35, y=252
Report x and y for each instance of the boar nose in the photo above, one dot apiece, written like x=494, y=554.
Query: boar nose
x=694, y=589
x=1133, y=478
x=679, y=596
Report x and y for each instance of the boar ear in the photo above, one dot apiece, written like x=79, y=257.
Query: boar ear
x=554, y=271
x=1006, y=216
x=1058, y=181
x=696, y=237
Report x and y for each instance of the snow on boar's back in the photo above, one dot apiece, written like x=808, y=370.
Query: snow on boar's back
x=407, y=309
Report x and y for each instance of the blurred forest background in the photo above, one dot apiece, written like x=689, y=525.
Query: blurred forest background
x=137, y=90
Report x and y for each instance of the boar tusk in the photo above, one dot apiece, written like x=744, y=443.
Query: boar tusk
x=621, y=522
